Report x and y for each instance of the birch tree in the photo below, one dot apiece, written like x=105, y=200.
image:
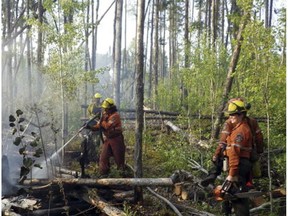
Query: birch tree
x=140, y=97
x=117, y=51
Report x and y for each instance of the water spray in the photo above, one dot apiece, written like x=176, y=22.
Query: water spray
x=69, y=141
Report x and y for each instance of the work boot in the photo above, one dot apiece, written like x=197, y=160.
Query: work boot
x=208, y=180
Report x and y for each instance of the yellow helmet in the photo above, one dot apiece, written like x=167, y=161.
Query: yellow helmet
x=97, y=95
x=107, y=103
x=236, y=106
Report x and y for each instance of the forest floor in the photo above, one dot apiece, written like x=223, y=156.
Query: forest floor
x=163, y=155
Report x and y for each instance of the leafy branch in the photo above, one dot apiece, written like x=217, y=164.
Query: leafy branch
x=29, y=157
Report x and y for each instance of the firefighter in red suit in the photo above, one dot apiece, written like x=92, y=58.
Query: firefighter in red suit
x=113, y=146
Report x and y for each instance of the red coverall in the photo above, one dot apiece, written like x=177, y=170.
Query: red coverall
x=113, y=141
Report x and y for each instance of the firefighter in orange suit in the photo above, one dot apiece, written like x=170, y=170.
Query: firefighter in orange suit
x=113, y=146
x=226, y=131
x=238, y=150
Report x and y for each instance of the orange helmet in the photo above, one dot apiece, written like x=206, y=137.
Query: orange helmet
x=218, y=193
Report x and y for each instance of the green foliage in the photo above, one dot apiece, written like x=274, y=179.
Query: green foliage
x=128, y=211
x=25, y=146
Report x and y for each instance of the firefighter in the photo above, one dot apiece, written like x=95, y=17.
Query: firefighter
x=95, y=107
x=218, y=156
x=92, y=139
x=238, y=151
x=113, y=145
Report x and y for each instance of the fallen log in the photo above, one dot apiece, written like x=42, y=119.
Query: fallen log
x=91, y=196
x=50, y=211
x=104, y=182
x=190, y=138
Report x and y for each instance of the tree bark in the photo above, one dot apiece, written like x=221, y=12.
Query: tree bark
x=138, y=194
x=151, y=53
x=229, y=78
x=117, y=57
x=156, y=49
x=40, y=45
x=104, y=182
x=92, y=197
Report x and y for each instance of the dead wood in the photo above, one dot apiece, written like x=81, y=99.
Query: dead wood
x=165, y=200
x=123, y=194
x=103, y=182
x=279, y=192
x=71, y=173
x=91, y=196
x=193, y=211
x=189, y=137
x=52, y=211
x=266, y=205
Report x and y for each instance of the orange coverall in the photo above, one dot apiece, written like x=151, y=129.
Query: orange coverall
x=113, y=141
x=256, y=132
x=239, y=145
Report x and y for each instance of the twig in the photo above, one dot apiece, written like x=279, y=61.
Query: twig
x=167, y=201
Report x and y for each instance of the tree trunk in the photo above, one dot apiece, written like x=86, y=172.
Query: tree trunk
x=117, y=57
x=104, y=182
x=138, y=193
x=29, y=70
x=39, y=82
x=156, y=50
x=266, y=13
x=270, y=13
x=151, y=53
x=214, y=22
x=229, y=79
x=200, y=21
x=186, y=55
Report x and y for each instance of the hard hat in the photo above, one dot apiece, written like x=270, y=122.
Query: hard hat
x=108, y=103
x=236, y=106
x=218, y=193
x=97, y=95
x=247, y=105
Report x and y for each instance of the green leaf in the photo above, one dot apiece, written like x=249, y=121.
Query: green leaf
x=38, y=152
x=28, y=162
x=17, y=141
x=21, y=120
x=24, y=171
x=34, y=143
x=21, y=128
x=19, y=112
x=21, y=150
x=38, y=165
x=14, y=131
x=12, y=118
